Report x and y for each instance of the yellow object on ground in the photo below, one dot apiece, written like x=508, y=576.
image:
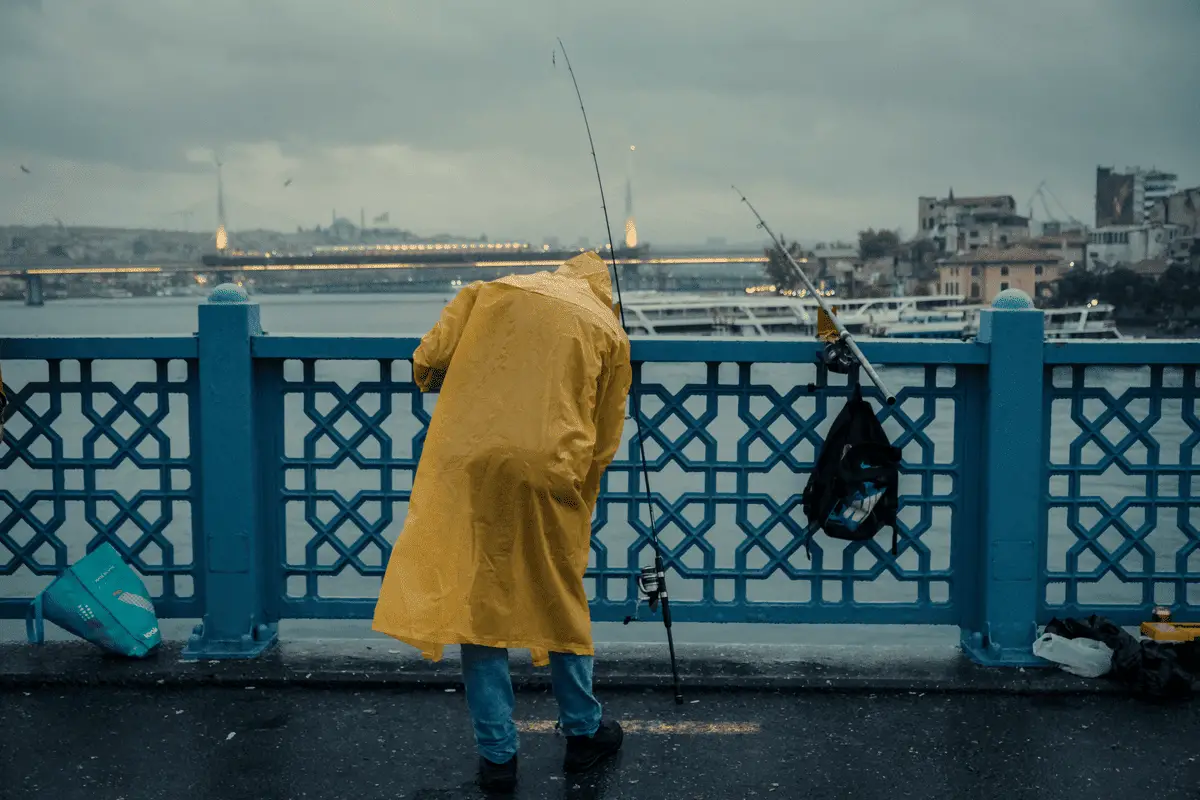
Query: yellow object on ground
x=1171, y=631
x=534, y=373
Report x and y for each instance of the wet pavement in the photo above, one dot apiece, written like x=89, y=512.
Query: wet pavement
x=230, y=743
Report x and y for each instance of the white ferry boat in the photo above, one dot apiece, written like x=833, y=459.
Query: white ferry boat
x=1093, y=321
x=926, y=317
x=947, y=324
x=868, y=316
x=666, y=314
x=655, y=314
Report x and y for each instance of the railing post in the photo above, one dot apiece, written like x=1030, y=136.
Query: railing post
x=1011, y=519
x=230, y=554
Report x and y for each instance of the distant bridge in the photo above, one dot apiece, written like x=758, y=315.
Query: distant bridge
x=375, y=259
x=490, y=262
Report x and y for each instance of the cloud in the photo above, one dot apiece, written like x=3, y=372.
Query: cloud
x=451, y=115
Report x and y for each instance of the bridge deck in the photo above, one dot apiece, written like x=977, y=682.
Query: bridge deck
x=338, y=718
x=250, y=742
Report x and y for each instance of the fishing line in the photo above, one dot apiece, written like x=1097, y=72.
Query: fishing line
x=652, y=581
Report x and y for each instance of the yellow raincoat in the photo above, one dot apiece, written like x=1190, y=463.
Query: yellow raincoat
x=534, y=372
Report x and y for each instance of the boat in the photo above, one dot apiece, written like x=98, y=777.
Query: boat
x=915, y=317
x=705, y=315
x=868, y=316
x=667, y=314
x=1096, y=320
x=917, y=325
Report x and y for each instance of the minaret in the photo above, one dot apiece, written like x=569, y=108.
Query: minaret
x=222, y=234
x=630, y=226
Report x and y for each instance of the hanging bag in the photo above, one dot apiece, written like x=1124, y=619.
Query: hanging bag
x=853, y=489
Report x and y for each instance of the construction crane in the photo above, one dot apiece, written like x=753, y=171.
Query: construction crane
x=1040, y=193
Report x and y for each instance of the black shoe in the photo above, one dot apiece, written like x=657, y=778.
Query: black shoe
x=498, y=777
x=585, y=752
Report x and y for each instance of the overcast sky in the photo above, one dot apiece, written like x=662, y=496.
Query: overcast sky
x=450, y=115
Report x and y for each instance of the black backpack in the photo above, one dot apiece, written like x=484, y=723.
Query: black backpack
x=853, y=489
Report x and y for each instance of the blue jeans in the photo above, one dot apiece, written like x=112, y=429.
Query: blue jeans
x=490, y=698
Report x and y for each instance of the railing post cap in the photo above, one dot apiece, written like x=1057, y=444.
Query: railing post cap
x=1012, y=300
x=228, y=293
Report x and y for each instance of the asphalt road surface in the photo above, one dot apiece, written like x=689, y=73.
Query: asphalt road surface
x=302, y=743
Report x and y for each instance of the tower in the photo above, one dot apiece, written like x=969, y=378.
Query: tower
x=631, y=239
x=222, y=234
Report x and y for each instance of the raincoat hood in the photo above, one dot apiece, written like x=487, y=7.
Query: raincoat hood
x=591, y=268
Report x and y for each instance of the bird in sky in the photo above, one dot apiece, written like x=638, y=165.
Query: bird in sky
x=26, y=170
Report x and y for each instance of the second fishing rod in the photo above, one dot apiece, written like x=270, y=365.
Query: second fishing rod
x=844, y=349
x=651, y=581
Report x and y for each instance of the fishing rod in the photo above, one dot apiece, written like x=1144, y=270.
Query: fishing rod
x=652, y=581
x=844, y=344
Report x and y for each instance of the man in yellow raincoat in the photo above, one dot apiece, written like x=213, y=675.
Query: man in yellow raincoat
x=534, y=373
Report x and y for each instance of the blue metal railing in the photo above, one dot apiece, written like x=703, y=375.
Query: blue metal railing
x=253, y=478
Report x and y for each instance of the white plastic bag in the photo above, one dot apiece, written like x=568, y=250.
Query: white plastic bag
x=1086, y=658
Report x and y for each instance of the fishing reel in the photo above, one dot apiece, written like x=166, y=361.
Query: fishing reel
x=837, y=357
x=650, y=588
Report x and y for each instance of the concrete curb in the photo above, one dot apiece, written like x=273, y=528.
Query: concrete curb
x=349, y=663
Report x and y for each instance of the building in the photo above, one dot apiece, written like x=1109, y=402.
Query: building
x=1151, y=268
x=966, y=224
x=1178, y=208
x=982, y=274
x=1156, y=186
x=834, y=260
x=1069, y=246
x=1181, y=208
x=1117, y=245
x=1129, y=197
x=1161, y=223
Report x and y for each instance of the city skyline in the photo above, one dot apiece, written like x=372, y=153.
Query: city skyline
x=832, y=119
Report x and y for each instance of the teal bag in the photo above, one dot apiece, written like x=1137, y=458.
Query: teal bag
x=101, y=599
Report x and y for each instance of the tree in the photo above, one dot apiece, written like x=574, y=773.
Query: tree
x=922, y=254
x=1124, y=288
x=1076, y=287
x=1176, y=289
x=779, y=270
x=877, y=244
